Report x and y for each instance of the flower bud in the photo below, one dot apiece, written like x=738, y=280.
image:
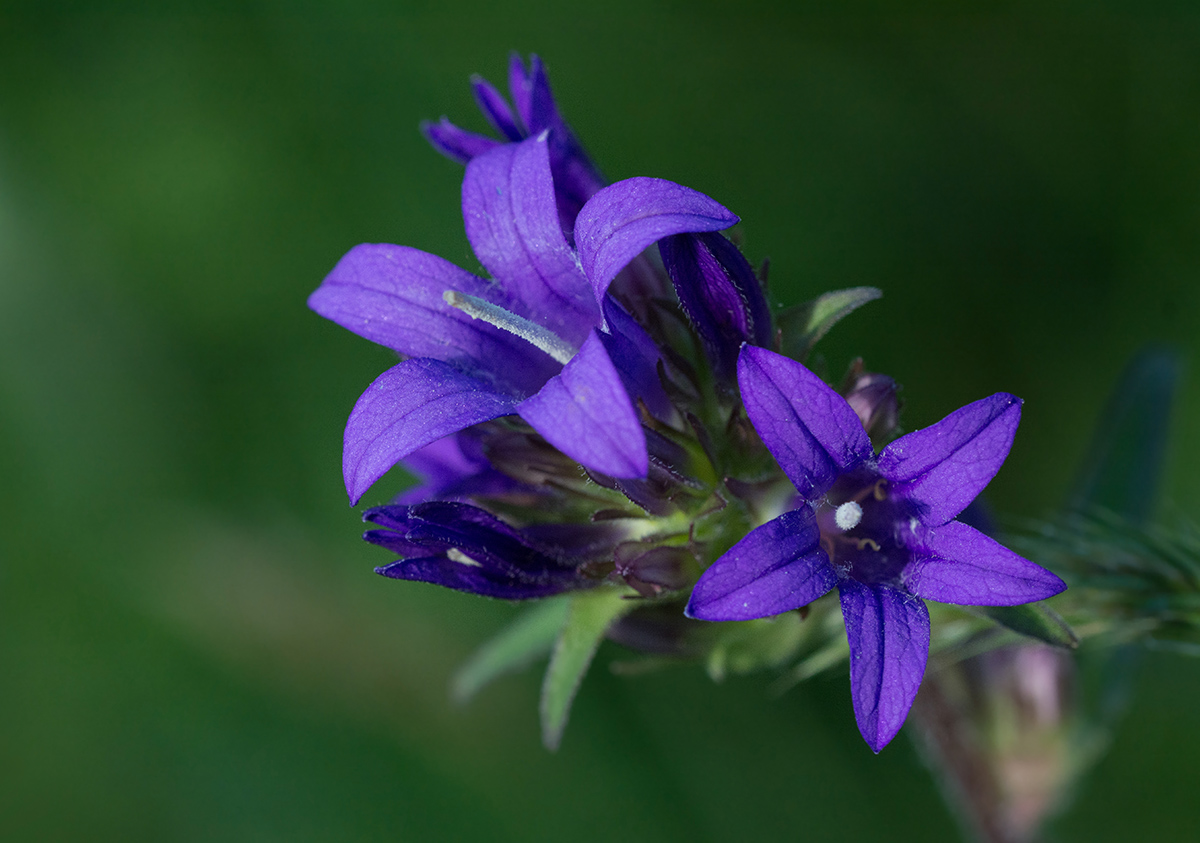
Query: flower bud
x=720, y=294
x=651, y=571
x=873, y=397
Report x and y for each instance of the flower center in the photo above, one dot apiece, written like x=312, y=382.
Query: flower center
x=848, y=515
x=864, y=527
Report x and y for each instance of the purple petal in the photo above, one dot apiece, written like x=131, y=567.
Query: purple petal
x=636, y=357
x=946, y=465
x=719, y=293
x=407, y=407
x=811, y=431
x=453, y=468
x=777, y=567
x=512, y=222
x=888, y=633
x=624, y=218
x=576, y=178
x=520, y=85
x=392, y=295
x=495, y=109
x=541, y=112
x=959, y=564
x=439, y=465
x=586, y=413
x=455, y=143
x=438, y=526
x=462, y=576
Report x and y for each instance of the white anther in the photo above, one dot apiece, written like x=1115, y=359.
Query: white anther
x=848, y=515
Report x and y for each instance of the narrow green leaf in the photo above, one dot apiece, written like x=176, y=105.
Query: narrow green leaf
x=588, y=617
x=531, y=635
x=1124, y=465
x=1035, y=621
x=804, y=325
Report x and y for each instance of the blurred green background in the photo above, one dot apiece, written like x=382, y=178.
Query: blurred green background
x=193, y=646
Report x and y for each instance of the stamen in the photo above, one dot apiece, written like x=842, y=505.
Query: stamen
x=880, y=489
x=848, y=515
x=863, y=544
x=505, y=320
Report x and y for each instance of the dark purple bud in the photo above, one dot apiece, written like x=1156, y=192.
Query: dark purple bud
x=873, y=397
x=651, y=571
x=720, y=295
x=465, y=548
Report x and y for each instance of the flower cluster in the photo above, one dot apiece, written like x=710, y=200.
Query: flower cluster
x=596, y=414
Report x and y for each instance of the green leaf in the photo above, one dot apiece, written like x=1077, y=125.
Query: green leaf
x=528, y=637
x=1035, y=621
x=1124, y=464
x=589, y=615
x=804, y=325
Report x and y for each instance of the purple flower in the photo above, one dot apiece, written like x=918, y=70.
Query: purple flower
x=881, y=528
x=459, y=546
x=576, y=178
x=541, y=339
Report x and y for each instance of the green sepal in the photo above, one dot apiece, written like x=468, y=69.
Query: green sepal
x=589, y=615
x=804, y=325
x=1035, y=621
x=529, y=637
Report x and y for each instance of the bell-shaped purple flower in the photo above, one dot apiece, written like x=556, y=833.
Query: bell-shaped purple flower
x=541, y=339
x=880, y=528
x=465, y=548
x=533, y=111
x=720, y=294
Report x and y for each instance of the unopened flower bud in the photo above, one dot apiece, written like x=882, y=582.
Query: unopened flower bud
x=651, y=571
x=720, y=294
x=873, y=397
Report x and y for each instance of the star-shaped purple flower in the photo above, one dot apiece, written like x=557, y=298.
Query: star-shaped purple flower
x=541, y=339
x=880, y=528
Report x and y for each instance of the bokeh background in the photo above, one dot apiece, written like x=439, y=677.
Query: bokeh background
x=193, y=646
